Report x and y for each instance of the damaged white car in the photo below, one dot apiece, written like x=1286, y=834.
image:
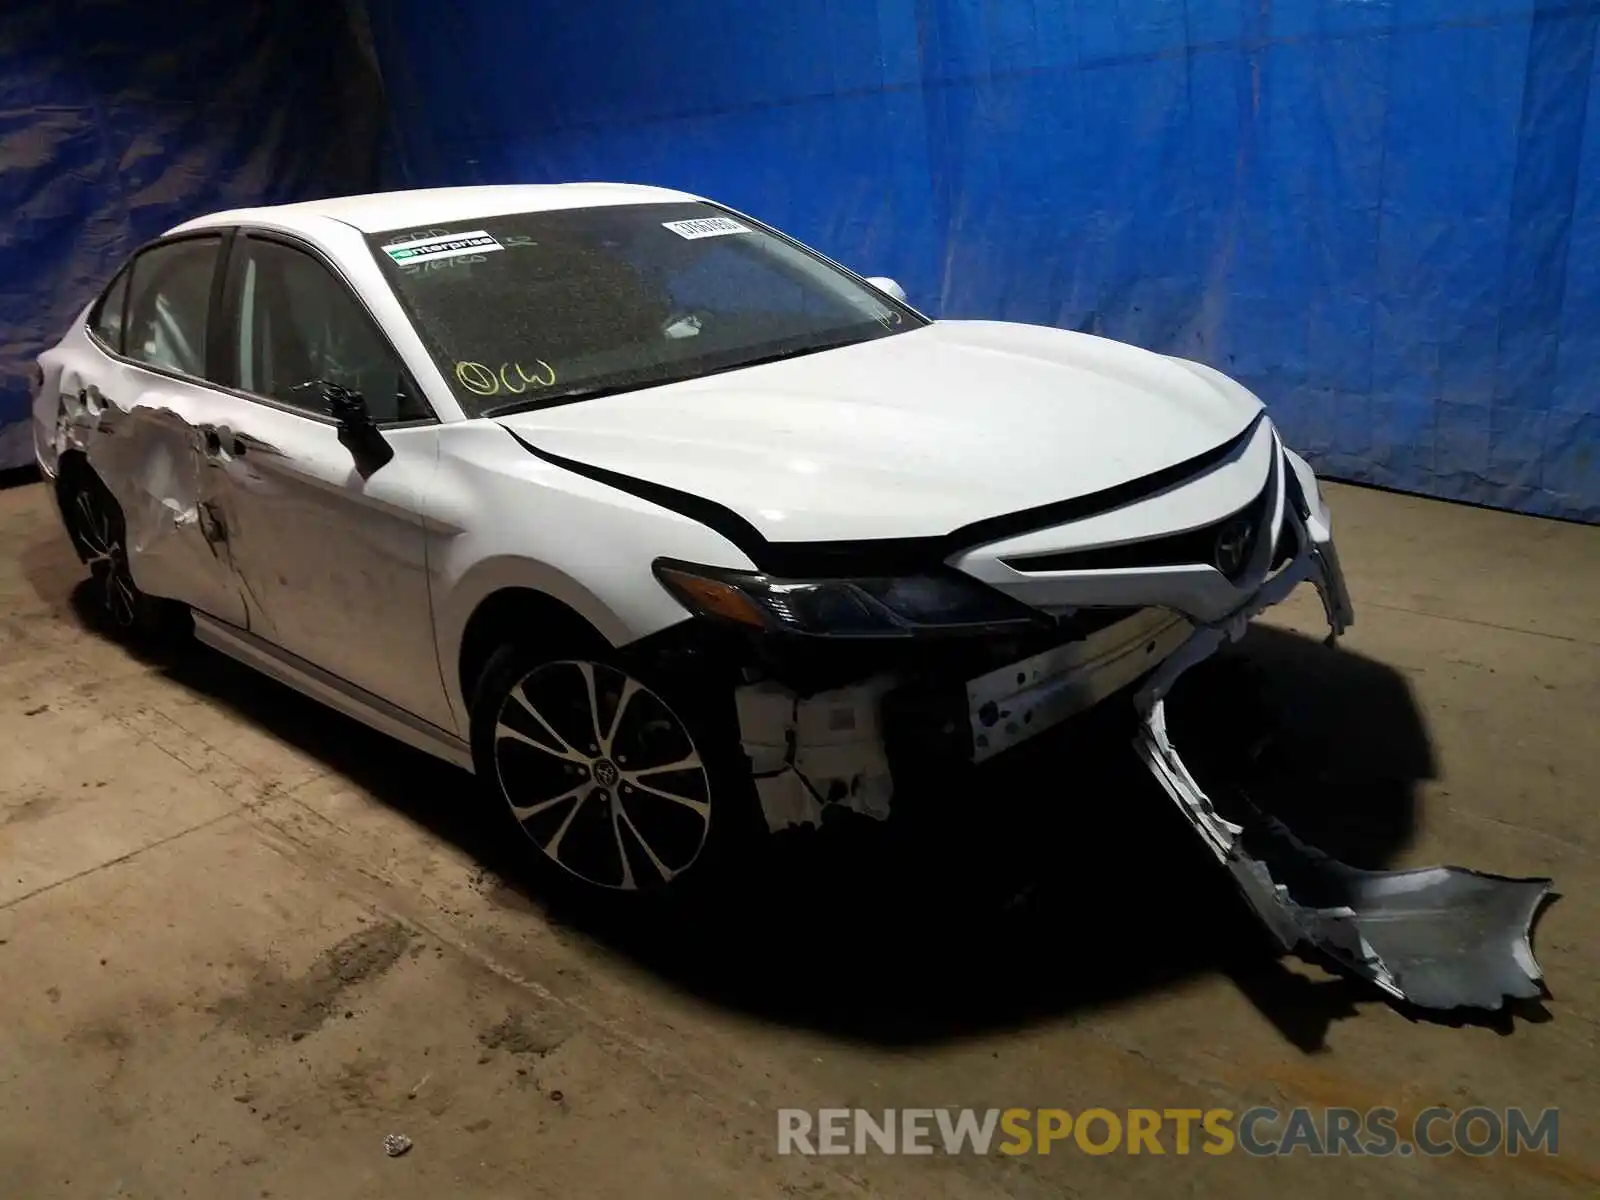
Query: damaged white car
x=659, y=521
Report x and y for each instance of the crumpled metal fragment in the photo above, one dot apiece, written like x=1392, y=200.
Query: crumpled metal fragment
x=1437, y=937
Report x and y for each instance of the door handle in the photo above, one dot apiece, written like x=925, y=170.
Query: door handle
x=236, y=444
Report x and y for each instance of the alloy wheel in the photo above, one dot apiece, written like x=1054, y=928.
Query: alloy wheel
x=107, y=559
x=602, y=775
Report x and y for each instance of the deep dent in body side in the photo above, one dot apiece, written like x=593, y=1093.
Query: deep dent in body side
x=151, y=460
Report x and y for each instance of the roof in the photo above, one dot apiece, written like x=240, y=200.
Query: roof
x=379, y=212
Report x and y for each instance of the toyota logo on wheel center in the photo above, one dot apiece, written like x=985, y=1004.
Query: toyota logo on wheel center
x=606, y=773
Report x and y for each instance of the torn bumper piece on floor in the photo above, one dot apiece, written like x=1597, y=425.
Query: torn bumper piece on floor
x=1438, y=937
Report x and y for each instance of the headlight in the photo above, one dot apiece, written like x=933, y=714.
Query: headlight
x=904, y=606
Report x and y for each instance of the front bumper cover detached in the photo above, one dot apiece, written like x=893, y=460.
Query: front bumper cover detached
x=1438, y=937
x=1441, y=937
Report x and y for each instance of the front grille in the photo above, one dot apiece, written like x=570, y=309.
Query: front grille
x=1193, y=547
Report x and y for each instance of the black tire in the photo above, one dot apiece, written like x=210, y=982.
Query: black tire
x=99, y=534
x=579, y=776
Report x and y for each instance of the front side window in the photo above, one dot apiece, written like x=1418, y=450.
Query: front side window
x=545, y=308
x=169, y=299
x=299, y=326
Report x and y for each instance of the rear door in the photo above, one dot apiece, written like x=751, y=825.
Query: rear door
x=330, y=550
x=132, y=394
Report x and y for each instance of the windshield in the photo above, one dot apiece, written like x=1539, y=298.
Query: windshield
x=544, y=308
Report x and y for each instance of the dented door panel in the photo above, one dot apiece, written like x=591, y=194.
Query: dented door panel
x=145, y=436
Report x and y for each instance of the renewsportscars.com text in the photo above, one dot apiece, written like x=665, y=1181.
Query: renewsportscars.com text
x=1261, y=1132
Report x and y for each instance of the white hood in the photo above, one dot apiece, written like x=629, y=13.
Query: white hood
x=907, y=436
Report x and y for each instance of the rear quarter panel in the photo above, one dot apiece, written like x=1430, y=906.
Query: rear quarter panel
x=67, y=366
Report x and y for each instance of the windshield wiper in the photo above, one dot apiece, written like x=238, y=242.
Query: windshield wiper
x=530, y=403
x=797, y=352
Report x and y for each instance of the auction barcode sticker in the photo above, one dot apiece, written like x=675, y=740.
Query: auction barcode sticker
x=704, y=227
x=425, y=249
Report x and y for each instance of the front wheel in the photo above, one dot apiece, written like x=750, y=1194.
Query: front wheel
x=619, y=785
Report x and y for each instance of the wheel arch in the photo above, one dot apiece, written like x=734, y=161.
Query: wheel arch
x=515, y=613
x=72, y=466
x=71, y=462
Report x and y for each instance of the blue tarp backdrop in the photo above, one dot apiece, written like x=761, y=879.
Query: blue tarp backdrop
x=121, y=118
x=1383, y=215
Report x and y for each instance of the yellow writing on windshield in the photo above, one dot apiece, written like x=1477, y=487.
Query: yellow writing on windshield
x=512, y=377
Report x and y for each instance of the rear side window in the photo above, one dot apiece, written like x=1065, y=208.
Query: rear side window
x=106, y=320
x=169, y=300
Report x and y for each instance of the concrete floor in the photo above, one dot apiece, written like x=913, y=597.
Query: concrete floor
x=242, y=939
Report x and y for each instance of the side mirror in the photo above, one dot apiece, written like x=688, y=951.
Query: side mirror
x=348, y=408
x=888, y=286
x=358, y=433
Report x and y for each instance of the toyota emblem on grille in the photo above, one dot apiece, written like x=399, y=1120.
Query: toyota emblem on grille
x=1232, y=545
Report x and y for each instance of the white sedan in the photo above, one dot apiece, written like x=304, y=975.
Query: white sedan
x=655, y=519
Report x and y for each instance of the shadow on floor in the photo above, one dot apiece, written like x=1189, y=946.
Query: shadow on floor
x=1057, y=879
x=16, y=477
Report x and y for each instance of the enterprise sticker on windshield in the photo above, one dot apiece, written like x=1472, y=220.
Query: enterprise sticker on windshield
x=704, y=227
x=426, y=249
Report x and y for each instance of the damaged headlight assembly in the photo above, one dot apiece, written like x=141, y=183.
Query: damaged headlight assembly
x=943, y=603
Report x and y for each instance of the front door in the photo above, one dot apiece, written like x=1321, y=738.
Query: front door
x=330, y=552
